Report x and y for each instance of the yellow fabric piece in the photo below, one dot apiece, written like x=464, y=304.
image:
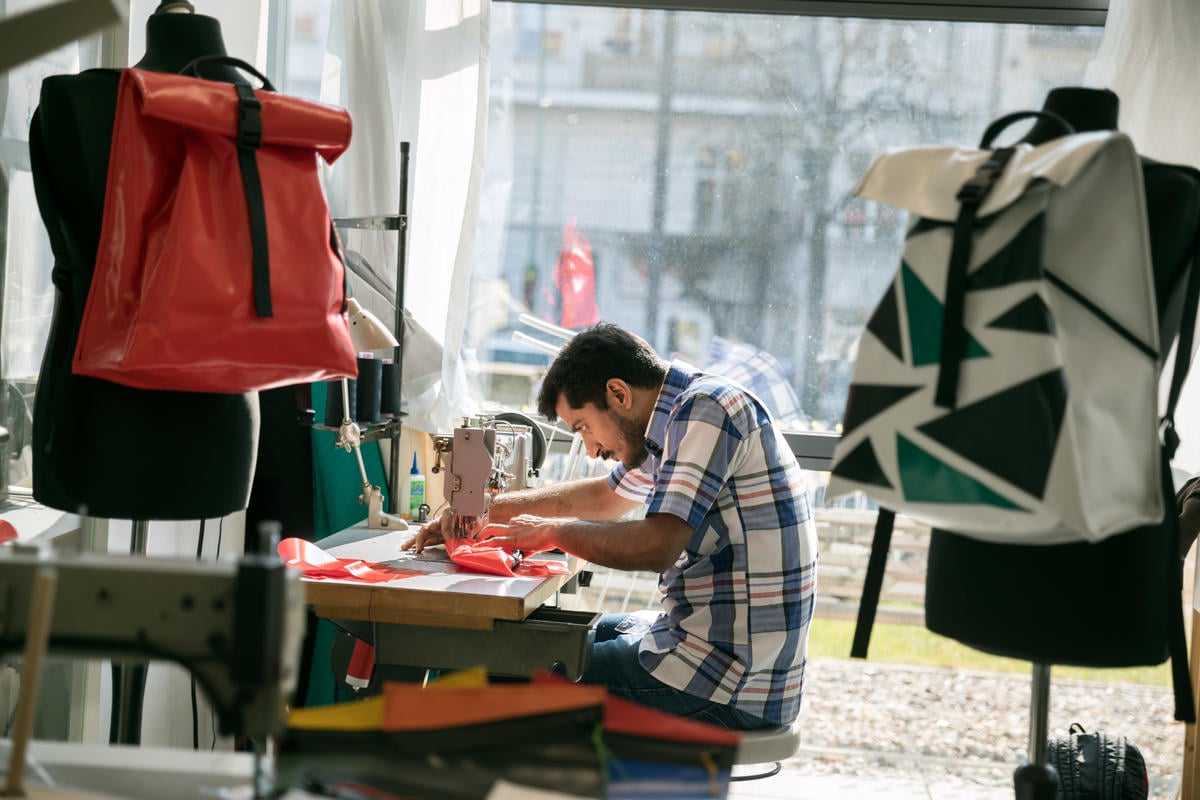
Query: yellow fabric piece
x=358, y=715
x=468, y=678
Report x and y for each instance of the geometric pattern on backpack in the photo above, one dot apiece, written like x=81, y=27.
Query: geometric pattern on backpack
x=1052, y=433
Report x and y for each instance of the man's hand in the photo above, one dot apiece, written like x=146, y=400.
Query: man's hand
x=524, y=532
x=431, y=533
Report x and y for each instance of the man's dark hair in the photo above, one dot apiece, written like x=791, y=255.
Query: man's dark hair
x=584, y=366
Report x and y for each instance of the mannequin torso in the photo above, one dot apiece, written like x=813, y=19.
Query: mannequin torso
x=111, y=450
x=1020, y=601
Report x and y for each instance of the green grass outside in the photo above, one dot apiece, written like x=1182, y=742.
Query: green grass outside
x=913, y=645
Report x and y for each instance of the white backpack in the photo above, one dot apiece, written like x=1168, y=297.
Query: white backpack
x=1006, y=386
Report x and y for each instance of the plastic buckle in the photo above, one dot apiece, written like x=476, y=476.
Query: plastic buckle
x=1170, y=439
x=249, y=128
x=978, y=185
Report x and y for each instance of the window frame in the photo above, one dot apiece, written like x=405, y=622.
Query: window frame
x=1032, y=12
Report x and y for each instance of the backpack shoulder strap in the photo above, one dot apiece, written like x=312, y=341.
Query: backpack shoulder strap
x=872, y=583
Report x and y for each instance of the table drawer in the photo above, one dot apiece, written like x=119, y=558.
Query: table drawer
x=547, y=637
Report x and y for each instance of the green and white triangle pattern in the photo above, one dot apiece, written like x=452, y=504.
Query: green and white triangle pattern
x=927, y=479
x=1053, y=437
x=925, y=313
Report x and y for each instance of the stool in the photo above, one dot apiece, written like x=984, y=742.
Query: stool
x=767, y=746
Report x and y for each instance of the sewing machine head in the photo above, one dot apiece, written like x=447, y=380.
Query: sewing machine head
x=236, y=626
x=483, y=457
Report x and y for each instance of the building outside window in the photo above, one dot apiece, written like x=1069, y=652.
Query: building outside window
x=710, y=160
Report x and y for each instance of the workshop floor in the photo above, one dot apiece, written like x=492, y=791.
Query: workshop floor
x=807, y=777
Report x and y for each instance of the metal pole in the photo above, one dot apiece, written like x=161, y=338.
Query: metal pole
x=532, y=274
x=1036, y=779
x=1039, y=712
x=398, y=353
x=662, y=146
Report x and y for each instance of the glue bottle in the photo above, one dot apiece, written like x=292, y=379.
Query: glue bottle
x=414, y=490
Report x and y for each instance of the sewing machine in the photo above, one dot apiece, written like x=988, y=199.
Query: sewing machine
x=441, y=616
x=483, y=457
x=236, y=626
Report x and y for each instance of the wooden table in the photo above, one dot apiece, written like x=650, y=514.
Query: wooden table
x=448, y=618
x=1190, y=789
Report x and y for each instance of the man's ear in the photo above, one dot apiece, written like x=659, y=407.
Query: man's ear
x=619, y=393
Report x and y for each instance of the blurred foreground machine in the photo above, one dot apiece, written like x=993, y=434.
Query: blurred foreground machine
x=235, y=626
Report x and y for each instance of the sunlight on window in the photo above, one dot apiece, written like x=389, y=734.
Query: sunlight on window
x=689, y=175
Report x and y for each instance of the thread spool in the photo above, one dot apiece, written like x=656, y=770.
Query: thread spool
x=389, y=404
x=333, y=402
x=370, y=376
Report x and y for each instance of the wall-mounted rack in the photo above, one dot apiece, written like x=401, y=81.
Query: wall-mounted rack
x=398, y=222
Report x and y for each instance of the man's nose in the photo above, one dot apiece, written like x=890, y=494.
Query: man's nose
x=591, y=445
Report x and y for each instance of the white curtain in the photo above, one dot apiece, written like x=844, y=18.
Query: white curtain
x=416, y=72
x=1149, y=57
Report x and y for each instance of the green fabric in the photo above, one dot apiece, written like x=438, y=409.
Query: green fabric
x=336, y=480
x=336, y=487
x=925, y=314
x=928, y=480
x=325, y=688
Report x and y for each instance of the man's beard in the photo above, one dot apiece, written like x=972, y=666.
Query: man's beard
x=634, y=435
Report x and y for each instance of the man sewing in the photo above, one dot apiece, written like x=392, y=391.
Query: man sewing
x=728, y=527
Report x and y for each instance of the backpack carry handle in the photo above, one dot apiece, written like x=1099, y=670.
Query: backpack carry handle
x=193, y=68
x=999, y=125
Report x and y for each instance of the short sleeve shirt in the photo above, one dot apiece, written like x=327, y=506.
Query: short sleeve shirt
x=739, y=600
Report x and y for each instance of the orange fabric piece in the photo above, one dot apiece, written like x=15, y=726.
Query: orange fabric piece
x=491, y=559
x=408, y=707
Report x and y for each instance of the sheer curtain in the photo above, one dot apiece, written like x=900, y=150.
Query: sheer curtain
x=415, y=72
x=1148, y=56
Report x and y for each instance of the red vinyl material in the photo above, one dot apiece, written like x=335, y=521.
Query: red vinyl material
x=171, y=305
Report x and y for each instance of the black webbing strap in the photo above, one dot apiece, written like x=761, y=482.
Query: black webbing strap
x=954, y=343
x=872, y=583
x=335, y=244
x=1183, y=349
x=1185, y=707
x=250, y=134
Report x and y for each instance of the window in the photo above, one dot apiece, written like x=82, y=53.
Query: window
x=709, y=159
x=25, y=257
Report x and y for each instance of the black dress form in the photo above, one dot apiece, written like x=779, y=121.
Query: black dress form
x=1106, y=604
x=101, y=448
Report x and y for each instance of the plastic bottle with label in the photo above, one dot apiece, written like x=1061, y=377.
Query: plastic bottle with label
x=414, y=490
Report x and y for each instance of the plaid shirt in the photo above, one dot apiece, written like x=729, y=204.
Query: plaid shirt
x=739, y=600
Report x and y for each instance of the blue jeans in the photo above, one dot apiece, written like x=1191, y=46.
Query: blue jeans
x=614, y=663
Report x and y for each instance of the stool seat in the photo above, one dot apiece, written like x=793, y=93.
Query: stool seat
x=765, y=745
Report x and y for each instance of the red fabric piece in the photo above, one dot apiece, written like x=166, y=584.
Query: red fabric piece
x=172, y=300
x=362, y=665
x=491, y=559
x=575, y=277
x=8, y=533
x=315, y=563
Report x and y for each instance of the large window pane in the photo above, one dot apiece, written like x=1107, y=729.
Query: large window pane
x=25, y=258
x=689, y=175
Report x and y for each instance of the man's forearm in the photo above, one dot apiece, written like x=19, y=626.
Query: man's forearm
x=588, y=498
x=651, y=544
